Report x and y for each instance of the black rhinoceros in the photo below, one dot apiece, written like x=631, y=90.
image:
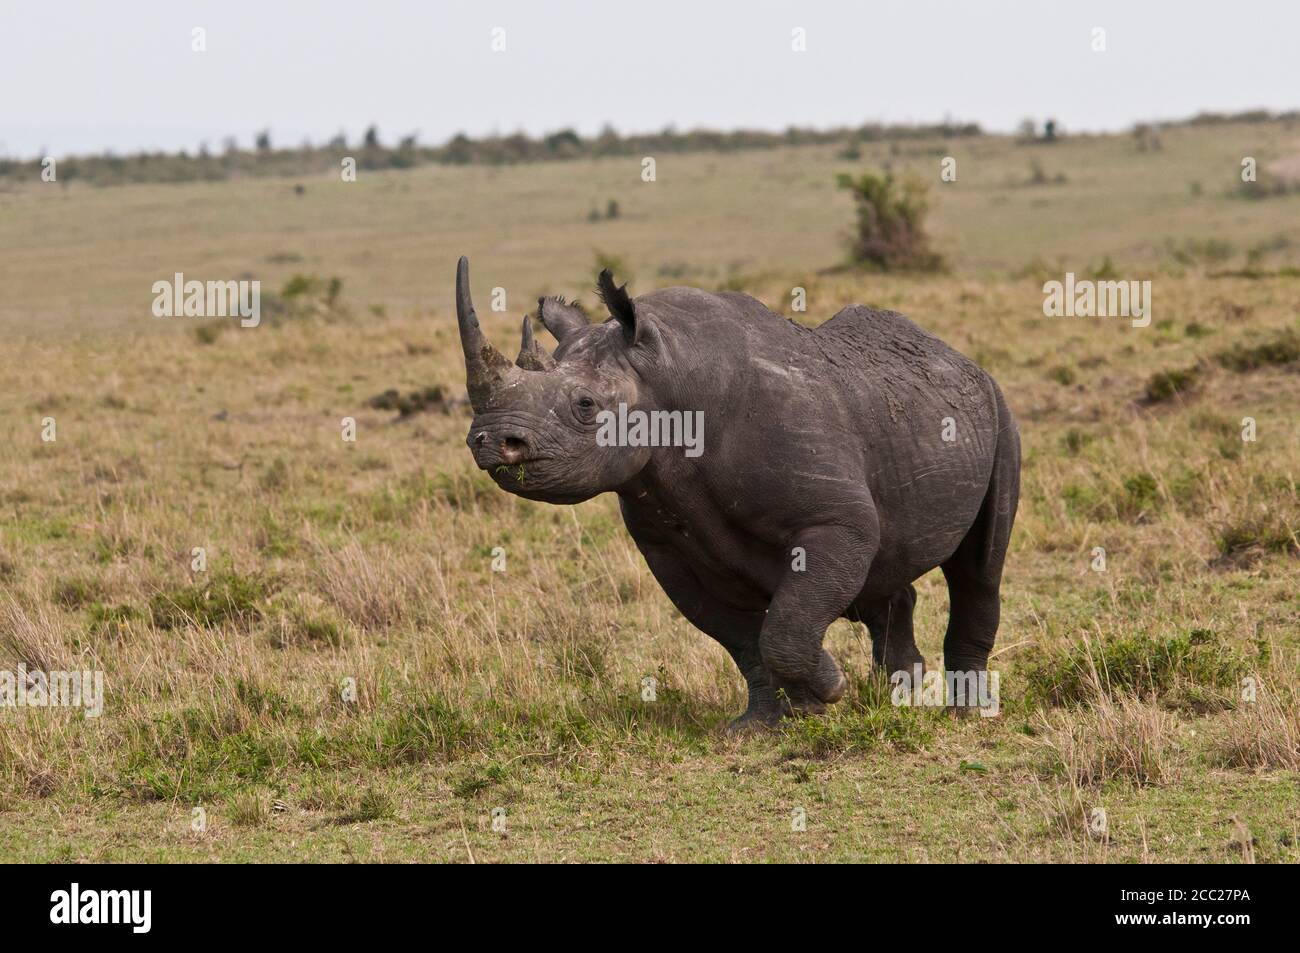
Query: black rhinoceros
x=828, y=469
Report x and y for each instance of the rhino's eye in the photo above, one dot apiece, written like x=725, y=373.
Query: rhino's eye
x=584, y=408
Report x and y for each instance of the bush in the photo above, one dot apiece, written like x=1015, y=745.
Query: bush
x=305, y=296
x=414, y=402
x=890, y=234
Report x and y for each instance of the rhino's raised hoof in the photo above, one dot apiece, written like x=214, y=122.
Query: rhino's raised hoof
x=811, y=695
x=798, y=701
x=831, y=683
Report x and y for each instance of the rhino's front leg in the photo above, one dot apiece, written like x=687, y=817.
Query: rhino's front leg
x=737, y=631
x=814, y=593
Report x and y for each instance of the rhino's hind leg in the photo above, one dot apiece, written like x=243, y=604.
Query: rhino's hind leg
x=893, y=643
x=974, y=571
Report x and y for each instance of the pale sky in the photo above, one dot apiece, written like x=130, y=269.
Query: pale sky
x=82, y=76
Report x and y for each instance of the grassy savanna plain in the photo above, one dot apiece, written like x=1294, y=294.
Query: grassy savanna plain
x=1125, y=733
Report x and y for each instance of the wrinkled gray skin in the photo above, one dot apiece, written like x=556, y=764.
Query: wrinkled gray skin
x=828, y=439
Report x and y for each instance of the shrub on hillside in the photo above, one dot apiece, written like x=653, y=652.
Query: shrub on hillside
x=890, y=233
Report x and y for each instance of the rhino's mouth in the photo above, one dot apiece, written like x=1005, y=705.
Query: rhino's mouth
x=516, y=471
x=533, y=480
x=505, y=466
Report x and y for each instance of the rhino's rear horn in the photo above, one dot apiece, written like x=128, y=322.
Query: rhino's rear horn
x=532, y=356
x=486, y=368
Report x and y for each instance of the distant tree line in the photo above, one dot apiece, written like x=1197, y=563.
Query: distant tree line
x=370, y=153
x=1248, y=116
x=264, y=159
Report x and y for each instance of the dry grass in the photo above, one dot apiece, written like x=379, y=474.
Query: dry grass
x=350, y=652
x=1264, y=732
x=1123, y=739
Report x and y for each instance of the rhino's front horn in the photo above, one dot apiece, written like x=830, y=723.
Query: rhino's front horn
x=486, y=368
x=532, y=356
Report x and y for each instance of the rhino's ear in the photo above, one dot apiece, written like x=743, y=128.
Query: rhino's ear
x=561, y=318
x=621, y=307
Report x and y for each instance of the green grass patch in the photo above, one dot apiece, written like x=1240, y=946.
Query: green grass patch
x=1166, y=385
x=1282, y=350
x=226, y=597
x=104, y=619
x=1196, y=669
x=77, y=593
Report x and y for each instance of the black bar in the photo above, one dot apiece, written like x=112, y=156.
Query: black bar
x=302, y=902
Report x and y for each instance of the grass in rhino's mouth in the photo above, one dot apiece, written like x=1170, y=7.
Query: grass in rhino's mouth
x=517, y=472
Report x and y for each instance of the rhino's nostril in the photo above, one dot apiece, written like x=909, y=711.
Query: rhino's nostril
x=480, y=438
x=514, y=450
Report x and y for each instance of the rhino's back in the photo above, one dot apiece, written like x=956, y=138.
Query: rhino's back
x=872, y=373
x=929, y=420
x=857, y=339
x=902, y=364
